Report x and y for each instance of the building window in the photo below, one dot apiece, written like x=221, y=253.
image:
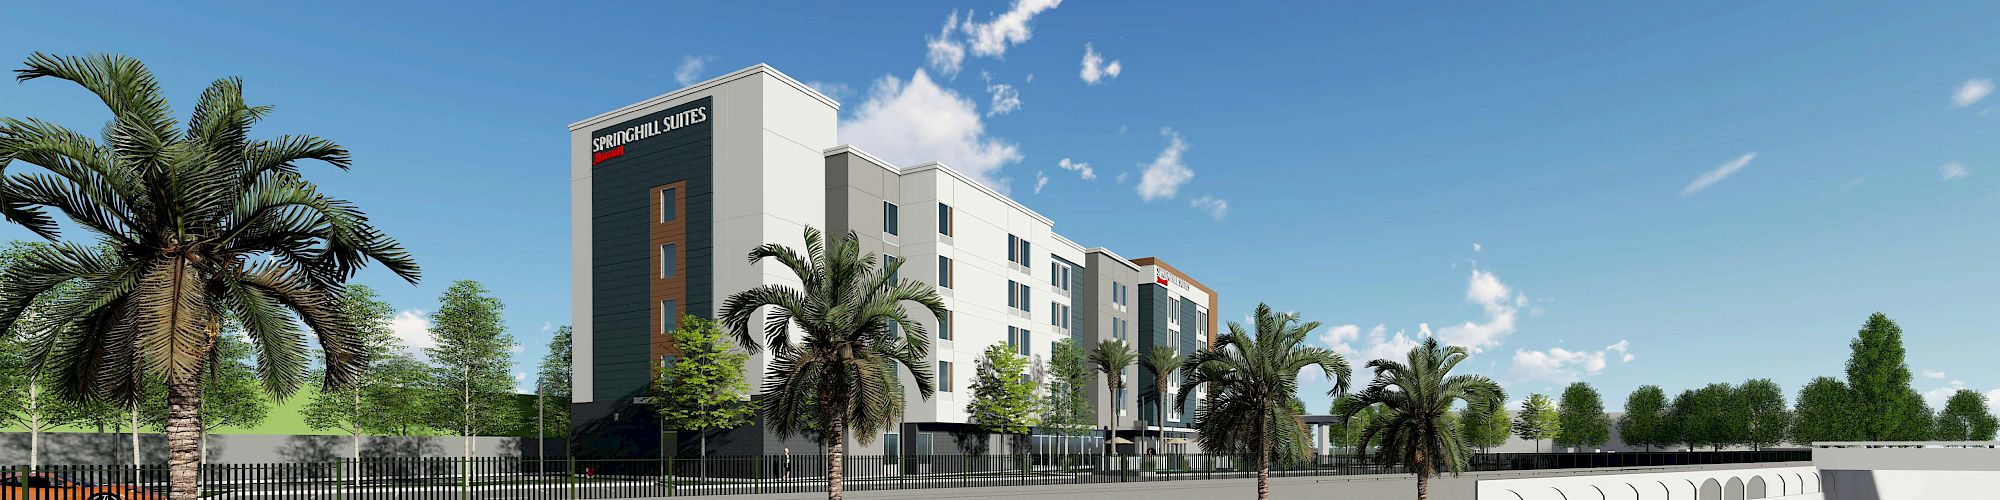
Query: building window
x=923, y=443
x=944, y=219
x=1018, y=340
x=889, y=218
x=1055, y=318
x=1118, y=293
x=667, y=212
x=943, y=382
x=1024, y=298
x=944, y=272
x=667, y=362
x=1013, y=294
x=1013, y=248
x=667, y=260
x=892, y=448
x=944, y=326
x=668, y=320
x=895, y=273
x=1024, y=255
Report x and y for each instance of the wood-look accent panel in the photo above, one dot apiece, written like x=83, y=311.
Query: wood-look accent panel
x=675, y=287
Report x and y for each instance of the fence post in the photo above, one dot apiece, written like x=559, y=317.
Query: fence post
x=1122, y=466
x=569, y=473
x=673, y=478
x=339, y=479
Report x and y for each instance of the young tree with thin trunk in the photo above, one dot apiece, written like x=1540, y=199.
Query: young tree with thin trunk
x=831, y=340
x=552, y=385
x=351, y=409
x=1416, y=396
x=1065, y=408
x=1111, y=358
x=1537, y=420
x=1251, y=378
x=201, y=222
x=1160, y=362
x=1003, y=397
x=1581, y=416
x=1485, y=430
x=703, y=389
x=471, y=392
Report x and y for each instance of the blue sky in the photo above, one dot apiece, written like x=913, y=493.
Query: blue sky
x=1543, y=181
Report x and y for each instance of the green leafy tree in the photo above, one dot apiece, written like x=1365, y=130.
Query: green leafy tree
x=350, y=409
x=1066, y=408
x=471, y=392
x=1161, y=361
x=703, y=389
x=1762, y=405
x=1003, y=397
x=399, y=397
x=1966, y=418
x=1111, y=358
x=25, y=402
x=201, y=222
x=1710, y=416
x=1644, y=421
x=1825, y=413
x=1251, y=377
x=234, y=396
x=1886, y=408
x=1537, y=420
x=552, y=384
x=845, y=349
x=1416, y=397
x=1581, y=417
x=1486, y=430
x=1353, y=423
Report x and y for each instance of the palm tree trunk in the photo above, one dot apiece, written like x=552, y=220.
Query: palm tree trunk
x=836, y=448
x=1423, y=487
x=184, y=435
x=1263, y=457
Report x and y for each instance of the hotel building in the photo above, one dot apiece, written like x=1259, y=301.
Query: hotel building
x=669, y=194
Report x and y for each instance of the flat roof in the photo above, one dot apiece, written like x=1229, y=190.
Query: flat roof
x=705, y=85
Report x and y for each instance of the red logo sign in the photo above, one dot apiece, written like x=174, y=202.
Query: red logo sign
x=600, y=156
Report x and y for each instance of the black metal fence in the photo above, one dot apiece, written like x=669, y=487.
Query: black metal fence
x=531, y=479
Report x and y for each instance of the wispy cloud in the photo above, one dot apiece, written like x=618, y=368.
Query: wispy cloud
x=1164, y=176
x=1010, y=28
x=1476, y=248
x=692, y=69
x=1933, y=374
x=1041, y=181
x=1718, y=174
x=1082, y=169
x=1971, y=92
x=1558, y=365
x=1095, y=70
x=1006, y=99
x=1953, y=170
x=1217, y=208
x=1501, y=306
x=835, y=90
x=944, y=53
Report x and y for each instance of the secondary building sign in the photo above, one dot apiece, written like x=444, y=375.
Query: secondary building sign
x=610, y=143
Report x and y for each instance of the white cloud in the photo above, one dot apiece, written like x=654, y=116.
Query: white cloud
x=1005, y=99
x=1217, y=208
x=1720, y=172
x=1010, y=28
x=1030, y=78
x=1475, y=248
x=1163, y=178
x=691, y=69
x=943, y=51
x=1122, y=176
x=1082, y=169
x=1971, y=92
x=1561, y=366
x=1359, y=349
x=915, y=121
x=1095, y=70
x=833, y=90
x=1993, y=398
x=413, y=329
x=1040, y=181
x=1936, y=397
x=1499, y=303
x=1933, y=374
x=1953, y=170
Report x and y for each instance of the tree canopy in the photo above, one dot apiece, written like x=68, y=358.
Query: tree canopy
x=1581, y=418
x=1537, y=420
x=1644, y=421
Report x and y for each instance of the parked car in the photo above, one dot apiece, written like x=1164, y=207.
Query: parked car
x=45, y=486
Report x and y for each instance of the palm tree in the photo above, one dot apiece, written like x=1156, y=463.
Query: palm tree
x=1252, y=379
x=1161, y=361
x=201, y=224
x=846, y=350
x=1111, y=357
x=1415, y=398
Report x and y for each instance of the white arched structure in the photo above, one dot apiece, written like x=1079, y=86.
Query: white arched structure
x=1792, y=483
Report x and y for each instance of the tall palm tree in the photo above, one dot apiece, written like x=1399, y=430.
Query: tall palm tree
x=1111, y=357
x=846, y=351
x=1415, y=427
x=1252, y=379
x=202, y=223
x=1161, y=361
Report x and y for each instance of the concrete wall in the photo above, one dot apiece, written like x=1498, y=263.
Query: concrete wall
x=1797, y=482
x=73, y=448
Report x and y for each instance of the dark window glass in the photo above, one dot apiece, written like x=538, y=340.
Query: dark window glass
x=889, y=217
x=667, y=212
x=667, y=260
